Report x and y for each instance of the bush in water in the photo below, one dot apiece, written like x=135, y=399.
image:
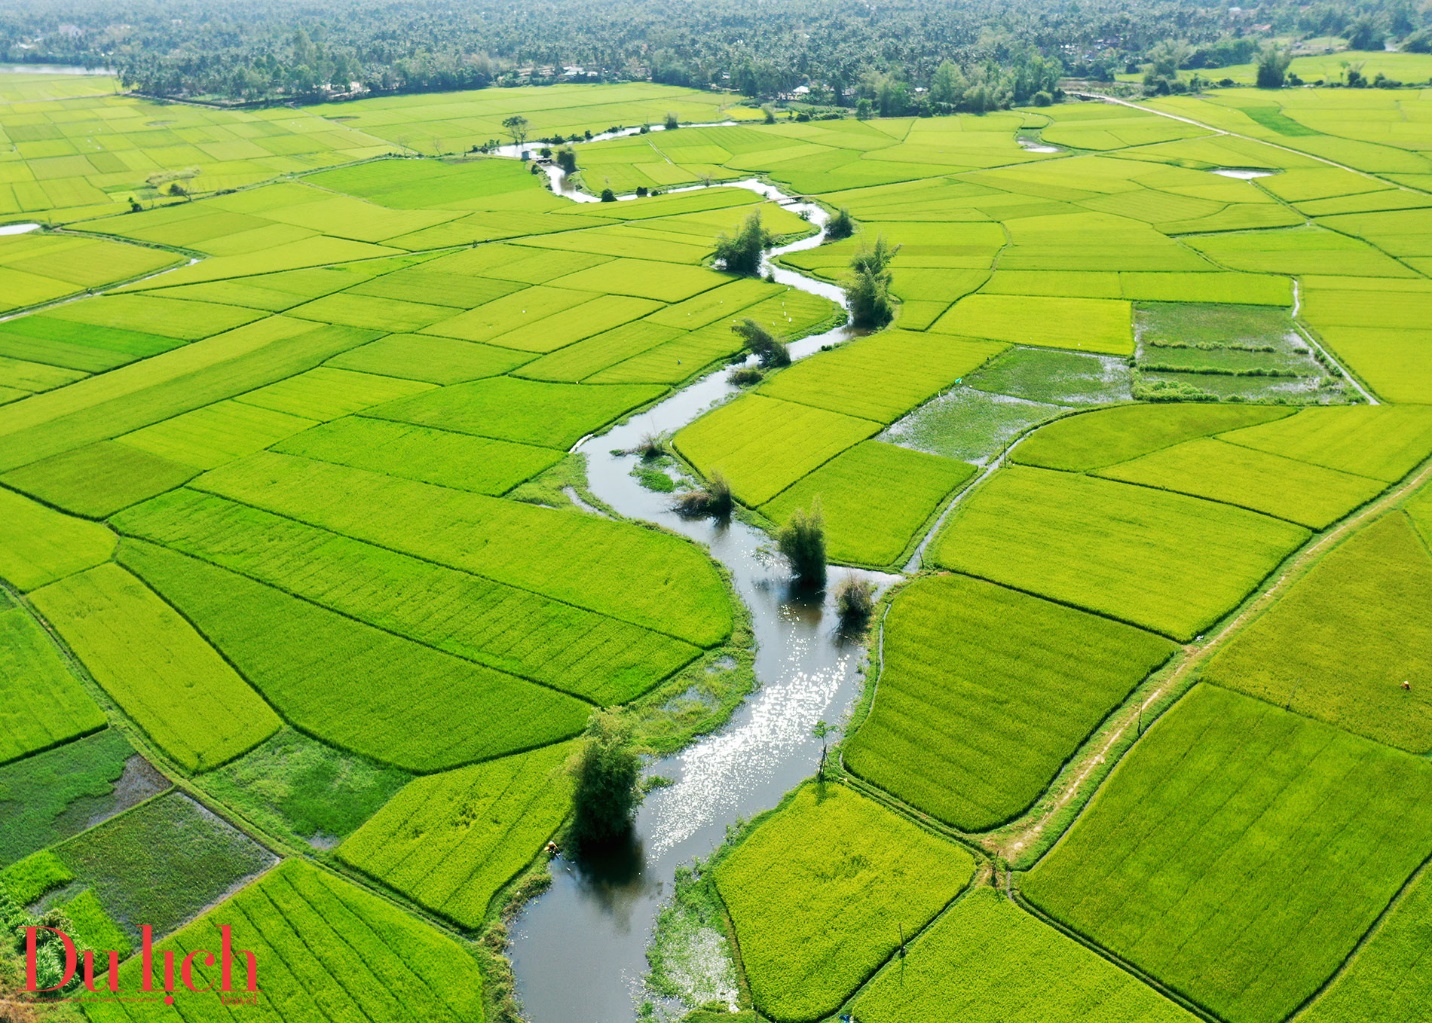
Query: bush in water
x=802, y=541
x=715, y=499
x=742, y=254
x=842, y=225
x=606, y=795
x=770, y=351
x=867, y=290
x=854, y=600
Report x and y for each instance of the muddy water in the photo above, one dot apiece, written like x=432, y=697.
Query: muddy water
x=579, y=950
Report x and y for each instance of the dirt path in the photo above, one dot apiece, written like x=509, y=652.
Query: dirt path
x=1247, y=138
x=1014, y=842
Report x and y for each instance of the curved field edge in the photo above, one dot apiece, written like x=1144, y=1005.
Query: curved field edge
x=1025, y=839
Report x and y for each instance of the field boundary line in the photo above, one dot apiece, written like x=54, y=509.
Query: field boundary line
x=352, y=618
x=104, y=289
x=1290, y=571
x=1308, y=336
x=451, y=568
x=1250, y=138
x=1171, y=993
x=334, y=743
x=1424, y=870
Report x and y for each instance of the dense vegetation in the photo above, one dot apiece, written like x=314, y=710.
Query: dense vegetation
x=904, y=57
x=299, y=521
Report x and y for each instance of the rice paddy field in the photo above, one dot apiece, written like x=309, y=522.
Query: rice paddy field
x=306, y=605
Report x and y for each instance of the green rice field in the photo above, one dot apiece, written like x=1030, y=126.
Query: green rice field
x=313, y=569
x=814, y=910
x=1230, y=804
x=984, y=692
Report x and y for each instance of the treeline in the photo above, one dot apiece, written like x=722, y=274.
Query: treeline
x=842, y=50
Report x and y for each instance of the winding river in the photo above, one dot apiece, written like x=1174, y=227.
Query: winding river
x=579, y=950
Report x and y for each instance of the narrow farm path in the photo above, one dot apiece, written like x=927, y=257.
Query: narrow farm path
x=1071, y=785
x=1247, y=138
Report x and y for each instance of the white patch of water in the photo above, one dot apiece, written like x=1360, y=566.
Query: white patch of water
x=1243, y=173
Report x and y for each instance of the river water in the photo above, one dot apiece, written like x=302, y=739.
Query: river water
x=579, y=950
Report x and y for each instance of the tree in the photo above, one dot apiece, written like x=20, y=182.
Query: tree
x=672, y=121
x=567, y=160
x=802, y=542
x=821, y=730
x=947, y=87
x=1364, y=34
x=1273, y=64
x=608, y=195
x=842, y=225
x=517, y=127
x=854, y=602
x=1419, y=41
x=742, y=254
x=605, y=799
x=770, y=351
x=867, y=290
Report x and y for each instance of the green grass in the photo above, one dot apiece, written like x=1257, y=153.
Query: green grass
x=1108, y=436
x=325, y=393
x=162, y=862
x=1084, y=324
x=451, y=841
x=42, y=704
x=27, y=880
x=589, y=357
x=1339, y=644
x=1060, y=378
x=456, y=460
x=1388, y=981
x=295, y=785
x=1309, y=495
x=880, y=377
x=874, y=498
x=159, y=388
x=985, y=692
x=167, y=317
x=160, y=672
x=56, y=794
x=1296, y=251
x=969, y=424
x=1240, y=851
x=818, y=893
x=1233, y=288
x=39, y=545
x=645, y=278
x=99, y=479
x=987, y=959
x=716, y=306
x=589, y=655
x=402, y=703
x=326, y=949
x=763, y=445
x=1167, y=562
x=215, y=434
x=1221, y=325
x=1384, y=442
x=437, y=360
x=543, y=319
x=554, y=415
x=359, y=310
x=580, y=559
x=94, y=927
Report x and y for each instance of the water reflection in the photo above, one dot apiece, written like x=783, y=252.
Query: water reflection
x=579, y=949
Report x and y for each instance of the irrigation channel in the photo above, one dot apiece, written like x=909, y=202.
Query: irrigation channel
x=579, y=949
